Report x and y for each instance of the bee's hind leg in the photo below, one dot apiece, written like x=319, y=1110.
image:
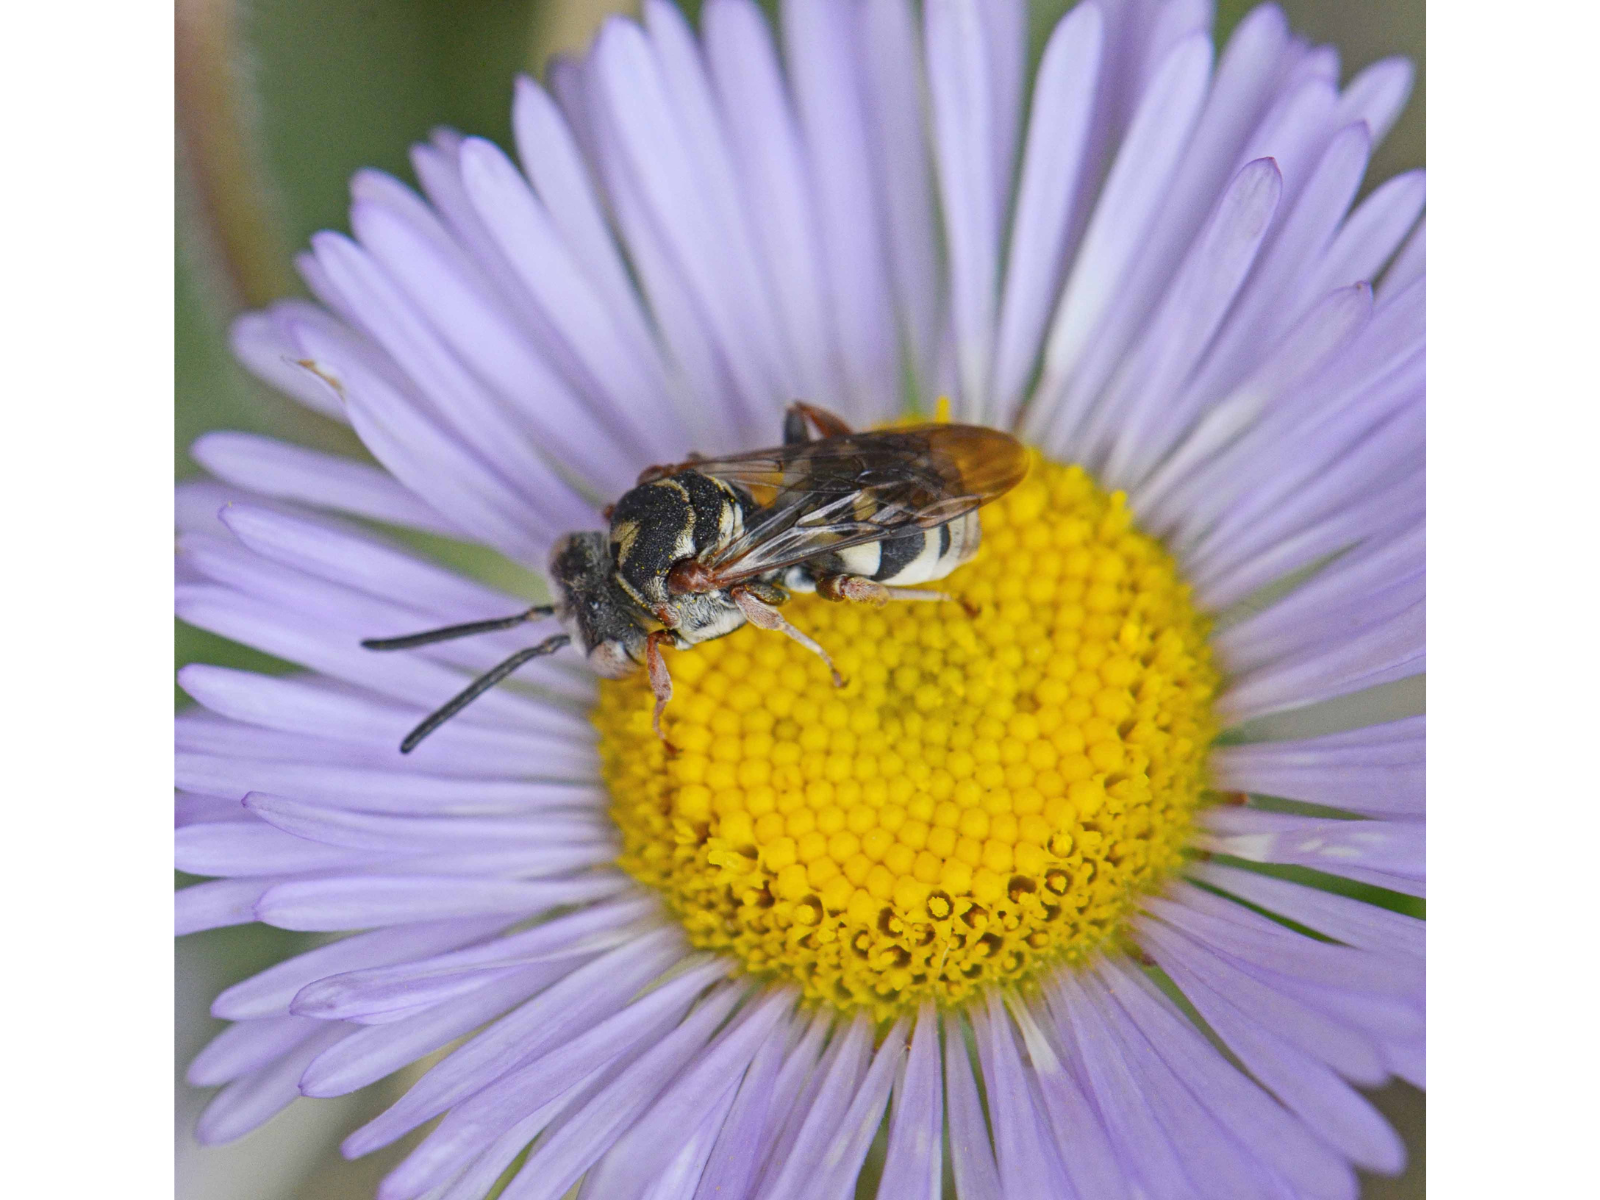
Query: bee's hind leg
x=867, y=591
x=798, y=414
x=764, y=616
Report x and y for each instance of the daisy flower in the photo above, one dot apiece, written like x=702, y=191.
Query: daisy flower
x=1021, y=907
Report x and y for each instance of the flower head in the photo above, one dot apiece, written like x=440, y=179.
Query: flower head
x=1011, y=852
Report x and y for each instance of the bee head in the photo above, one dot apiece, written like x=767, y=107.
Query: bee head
x=592, y=608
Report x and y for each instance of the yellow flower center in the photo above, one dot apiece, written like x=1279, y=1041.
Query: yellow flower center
x=987, y=795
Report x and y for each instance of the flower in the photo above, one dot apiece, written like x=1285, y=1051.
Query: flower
x=1004, y=817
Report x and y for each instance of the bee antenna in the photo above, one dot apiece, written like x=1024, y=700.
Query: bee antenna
x=479, y=686
x=450, y=632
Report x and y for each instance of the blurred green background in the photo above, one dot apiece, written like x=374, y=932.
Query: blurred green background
x=279, y=102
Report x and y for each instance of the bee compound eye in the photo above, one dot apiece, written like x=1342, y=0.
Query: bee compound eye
x=689, y=575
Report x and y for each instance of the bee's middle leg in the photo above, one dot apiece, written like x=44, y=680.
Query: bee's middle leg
x=868, y=591
x=764, y=616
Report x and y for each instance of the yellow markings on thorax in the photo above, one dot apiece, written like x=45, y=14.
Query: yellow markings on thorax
x=988, y=795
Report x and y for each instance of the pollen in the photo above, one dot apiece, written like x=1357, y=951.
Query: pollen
x=994, y=787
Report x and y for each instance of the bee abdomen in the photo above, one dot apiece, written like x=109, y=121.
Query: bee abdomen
x=927, y=554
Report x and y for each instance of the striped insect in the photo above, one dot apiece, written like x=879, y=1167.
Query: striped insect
x=698, y=549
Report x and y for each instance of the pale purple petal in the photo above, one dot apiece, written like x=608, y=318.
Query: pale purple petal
x=1409, y=265
x=589, y=438
x=1335, y=1111
x=253, y=1100
x=1377, y=94
x=266, y=625
x=679, y=1179
x=820, y=38
x=706, y=395
x=429, y=460
x=246, y=1045
x=369, y=1054
x=479, y=1179
x=554, y=165
x=269, y=992
x=1369, y=584
x=1349, y=423
x=373, y=566
x=430, y=979
x=1086, y=1152
x=848, y=1149
x=1370, y=234
x=560, y=1159
x=360, y=786
x=1258, y=943
x=1209, y=1154
x=1365, y=926
x=1376, y=770
x=1319, y=334
x=514, y=443
x=1117, y=1095
x=736, y=1154
x=233, y=848
x=262, y=342
x=578, y=1003
x=1197, y=300
x=1026, y=1160
x=964, y=96
x=218, y=903
x=1389, y=650
x=1294, y=131
x=799, y=1082
x=383, y=833
x=1130, y=197
x=716, y=183
x=196, y=808
x=622, y=384
x=320, y=711
x=797, y=1168
x=659, y=1135
x=1052, y=168
x=365, y=902
x=1193, y=963
x=1264, y=1129
x=629, y=83
x=893, y=89
x=912, y=1169
x=287, y=472
x=1273, y=300
x=437, y=164
x=1394, y=504
x=764, y=142
x=971, y=1155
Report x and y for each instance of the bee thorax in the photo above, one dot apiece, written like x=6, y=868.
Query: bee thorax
x=701, y=618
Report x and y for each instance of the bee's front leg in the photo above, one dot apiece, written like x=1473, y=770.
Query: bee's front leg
x=764, y=616
x=660, y=680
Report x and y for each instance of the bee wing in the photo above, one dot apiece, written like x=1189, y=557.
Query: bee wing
x=826, y=495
